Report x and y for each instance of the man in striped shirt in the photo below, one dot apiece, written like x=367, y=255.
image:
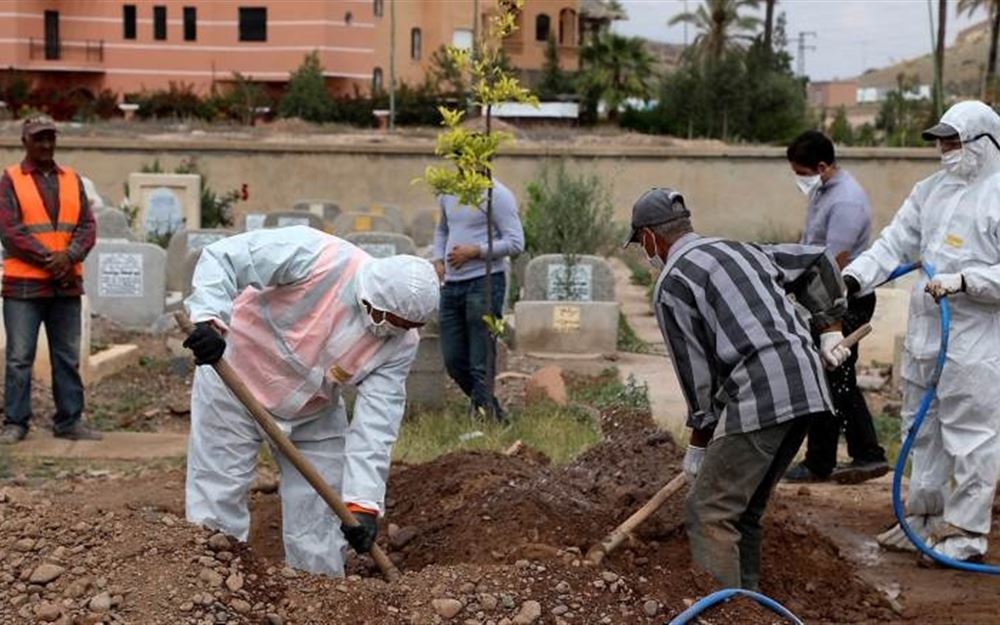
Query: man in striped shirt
x=747, y=364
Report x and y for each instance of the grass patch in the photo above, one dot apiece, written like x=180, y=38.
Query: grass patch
x=627, y=339
x=640, y=272
x=559, y=433
x=888, y=430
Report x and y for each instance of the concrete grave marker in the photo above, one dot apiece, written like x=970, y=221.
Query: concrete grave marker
x=382, y=244
x=390, y=211
x=285, y=219
x=347, y=223
x=183, y=243
x=423, y=227
x=552, y=277
x=126, y=281
x=113, y=224
x=324, y=209
x=165, y=202
x=253, y=221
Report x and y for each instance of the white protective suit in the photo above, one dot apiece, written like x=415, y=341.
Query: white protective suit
x=288, y=301
x=952, y=220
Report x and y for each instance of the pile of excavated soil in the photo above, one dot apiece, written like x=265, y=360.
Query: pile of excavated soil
x=481, y=538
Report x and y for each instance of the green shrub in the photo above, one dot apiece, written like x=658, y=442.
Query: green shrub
x=306, y=96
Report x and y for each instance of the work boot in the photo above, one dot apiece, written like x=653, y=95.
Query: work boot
x=12, y=434
x=857, y=472
x=800, y=473
x=79, y=432
x=894, y=539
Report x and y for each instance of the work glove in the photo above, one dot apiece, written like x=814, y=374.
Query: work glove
x=830, y=350
x=206, y=343
x=361, y=537
x=853, y=288
x=693, y=458
x=945, y=284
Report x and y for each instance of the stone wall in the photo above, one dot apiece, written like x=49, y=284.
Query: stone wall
x=745, y=192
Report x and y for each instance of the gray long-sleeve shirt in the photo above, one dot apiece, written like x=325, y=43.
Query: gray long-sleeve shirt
x=466, y=225
x=839, y=216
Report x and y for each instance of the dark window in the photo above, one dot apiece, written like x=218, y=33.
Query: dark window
x=377, y=80
x=542, y=24
x=160, y=23
x=253, y=24
x=128, y=21
x=378, y=7
x=52, y=45
x=190, y=24
x=415, y=43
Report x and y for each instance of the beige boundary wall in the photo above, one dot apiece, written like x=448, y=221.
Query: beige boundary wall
x=745, y=192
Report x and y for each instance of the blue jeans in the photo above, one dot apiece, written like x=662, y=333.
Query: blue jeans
x=465, y=340
x=22, y=318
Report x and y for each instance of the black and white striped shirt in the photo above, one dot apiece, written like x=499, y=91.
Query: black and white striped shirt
x=743, y=355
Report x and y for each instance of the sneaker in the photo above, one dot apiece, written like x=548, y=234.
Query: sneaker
x=12, y=434
x=79, y=432
x=802, y=473
x=857, y=472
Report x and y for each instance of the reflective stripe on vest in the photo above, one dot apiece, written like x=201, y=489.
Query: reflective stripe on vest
x=55, y=238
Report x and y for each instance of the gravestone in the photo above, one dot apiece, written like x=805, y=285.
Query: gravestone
x=554, y=277
x=252, y=221
x=165, y=202
x=283, y=219
x=126, y=282
x=423, y=227
x=390, y=211
x=183, y=243
x=427, y=378
x=324, y=209
x=382, y=244
x=113, y=224
x=347, y=223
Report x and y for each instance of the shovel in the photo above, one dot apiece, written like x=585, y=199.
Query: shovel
x=617, y=536
x=263, y=418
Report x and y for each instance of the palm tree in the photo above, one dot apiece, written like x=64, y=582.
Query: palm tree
x=969, y=7
x=769, y=24
x=616, y=68
x=722, y=27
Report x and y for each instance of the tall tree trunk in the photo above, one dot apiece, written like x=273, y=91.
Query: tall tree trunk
x=769, y=24
x=939, y=59
x=991, y=63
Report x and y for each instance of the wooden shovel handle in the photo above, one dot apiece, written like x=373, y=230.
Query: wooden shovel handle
x=855, y=337
x=285, y=446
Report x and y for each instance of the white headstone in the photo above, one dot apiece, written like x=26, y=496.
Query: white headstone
x=555, y=277
x=113, y=224
x=185, y=242
x=126, y=281
x=324, y=209
x=382, y=244
x=284, y=219
x=347, y=223
x=253, y=221
x=165, y=202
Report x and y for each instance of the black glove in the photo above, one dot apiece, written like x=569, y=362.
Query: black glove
x=206, y=343
x=852, y=286
x=361, y=537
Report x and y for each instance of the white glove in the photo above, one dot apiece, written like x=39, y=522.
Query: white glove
x=945, y=284
x=829, y=348
x=692, y=462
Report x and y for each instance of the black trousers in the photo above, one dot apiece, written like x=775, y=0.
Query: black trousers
x=850, y=409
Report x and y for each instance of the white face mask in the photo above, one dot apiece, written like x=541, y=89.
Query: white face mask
x=807, y=184
x=952, y=159
x=655, y=259
x=379, y=329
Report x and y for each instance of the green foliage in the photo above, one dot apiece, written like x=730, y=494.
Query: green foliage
x=902, y=117
x=628, y=341
x=177, y=101
x=554, y=81
x=631, y=394
x=569, y=214
x=446, y=76
x=840, y=129
x=306, y=96
x=243, y=98
x=721, y=28
x=615, y=69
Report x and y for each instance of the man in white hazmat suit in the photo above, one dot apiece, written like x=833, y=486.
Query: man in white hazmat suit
x=300, y=314
x=951, y=220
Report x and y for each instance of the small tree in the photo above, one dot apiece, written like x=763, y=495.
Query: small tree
x=306, y=96
x=554, y=81
x=468, y=174
x=244, y=97
x=840, y=129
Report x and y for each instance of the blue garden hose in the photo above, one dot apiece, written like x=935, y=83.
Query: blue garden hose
x=722, y=596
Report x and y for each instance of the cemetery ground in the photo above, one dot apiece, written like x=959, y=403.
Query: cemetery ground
x=484, y=531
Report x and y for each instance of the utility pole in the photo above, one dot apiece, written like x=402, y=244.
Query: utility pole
x=685, y=26
x=939, y=59
x=801, y=60
x=392, y=65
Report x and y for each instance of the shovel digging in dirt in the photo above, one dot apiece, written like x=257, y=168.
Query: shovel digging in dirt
x=617, y=536
x=259, y=413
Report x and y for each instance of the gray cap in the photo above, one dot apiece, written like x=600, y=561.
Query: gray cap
x=36, y=124
x=656, y=206
x=939, y=131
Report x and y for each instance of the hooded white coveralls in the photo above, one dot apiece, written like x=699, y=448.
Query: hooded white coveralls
x=952, y=220
x=288, y=302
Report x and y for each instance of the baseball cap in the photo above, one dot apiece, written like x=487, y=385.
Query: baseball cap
x=940, y=130
x=36, y=124
x=656, y=206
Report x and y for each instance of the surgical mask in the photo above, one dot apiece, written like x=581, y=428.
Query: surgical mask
x=384, y=330
x=952, y=159
x=807, y=184
x=656, y=262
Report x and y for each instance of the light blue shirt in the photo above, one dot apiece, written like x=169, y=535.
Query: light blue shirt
x=839, y=216
x=466, y=225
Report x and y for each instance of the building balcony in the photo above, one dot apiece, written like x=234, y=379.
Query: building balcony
x=61, y=53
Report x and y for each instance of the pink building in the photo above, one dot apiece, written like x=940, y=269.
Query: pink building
x=131, y=46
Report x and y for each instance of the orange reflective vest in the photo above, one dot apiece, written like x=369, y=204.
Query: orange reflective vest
x=54, y=237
